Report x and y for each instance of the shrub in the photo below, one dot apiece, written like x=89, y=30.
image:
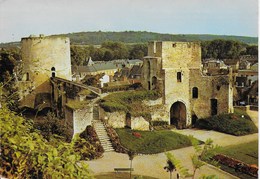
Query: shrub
x=51, y=125
x=159, y=123
x=26, y=154
x=233, y=124
x=89, y=136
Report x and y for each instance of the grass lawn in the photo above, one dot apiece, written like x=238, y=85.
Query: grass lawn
x=152, y=142
x=247, y=153
x=122, y=175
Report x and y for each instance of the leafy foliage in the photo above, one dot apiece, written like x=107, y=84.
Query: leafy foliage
x=8, y=63
x=50, y=126
x=89, y=135
x=177, y=163
x=235, y=124
x=223, y=49
x=26, y=154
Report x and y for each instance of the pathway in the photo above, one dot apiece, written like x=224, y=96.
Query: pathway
x=152, y=165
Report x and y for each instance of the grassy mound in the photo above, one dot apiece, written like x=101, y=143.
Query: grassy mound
x=129, y=101
x=147, y=142
x=237, y=124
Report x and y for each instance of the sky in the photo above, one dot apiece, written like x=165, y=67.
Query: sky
x=21, y=18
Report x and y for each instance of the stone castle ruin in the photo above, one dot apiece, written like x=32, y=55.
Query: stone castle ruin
x=174, y=69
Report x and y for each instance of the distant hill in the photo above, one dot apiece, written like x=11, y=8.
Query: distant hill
x=97, y=38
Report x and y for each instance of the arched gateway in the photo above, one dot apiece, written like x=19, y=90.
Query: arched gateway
x=178, y=115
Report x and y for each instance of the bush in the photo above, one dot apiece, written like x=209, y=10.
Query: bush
x=89, y=136
x=159, y=123
x=115, y=88
x=233, y=124
x=26, y=154
x=51, y=125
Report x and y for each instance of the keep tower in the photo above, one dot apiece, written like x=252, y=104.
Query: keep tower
x=42, y=57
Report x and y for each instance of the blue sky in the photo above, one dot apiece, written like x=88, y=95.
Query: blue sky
x=21, y=18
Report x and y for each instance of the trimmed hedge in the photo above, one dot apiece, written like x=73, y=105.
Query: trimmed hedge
x=233, y=124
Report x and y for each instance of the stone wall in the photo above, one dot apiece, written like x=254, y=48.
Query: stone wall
x=118, y=120
x=79, y=119
x=209, y=87
x=69, y=120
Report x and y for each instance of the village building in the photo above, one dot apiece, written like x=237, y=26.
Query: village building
x=214, y=67
x=106, y=67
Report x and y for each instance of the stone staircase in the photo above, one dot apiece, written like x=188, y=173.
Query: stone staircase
x=101, y=131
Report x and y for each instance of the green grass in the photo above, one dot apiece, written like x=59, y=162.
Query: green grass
x=74, y=104
x=122, y=175
x=237, y=124
x=152, y=142
x=129, y=101
x=247, y=152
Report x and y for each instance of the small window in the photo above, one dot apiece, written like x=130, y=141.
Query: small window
x=178, y=76
x=174, y=45
x=27, y=77
x=218, y=87
x=195, y=92
x=53, y=72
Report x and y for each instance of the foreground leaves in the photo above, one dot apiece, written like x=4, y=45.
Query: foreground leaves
x=26, y=154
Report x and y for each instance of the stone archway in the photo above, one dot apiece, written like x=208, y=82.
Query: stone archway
x=178, y=115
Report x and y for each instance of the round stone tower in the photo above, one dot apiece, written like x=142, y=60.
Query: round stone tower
x=43, y=57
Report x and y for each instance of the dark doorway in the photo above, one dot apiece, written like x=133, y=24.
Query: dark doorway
x=194, y=119
x=178, y=115
x=214, y=106
x=148, y=69
x=128, y=120
x=154, y=83
x=149, y=85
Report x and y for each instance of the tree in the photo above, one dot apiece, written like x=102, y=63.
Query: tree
x=222, y=49
x=138, y=51
x=131, y=155
x=252, y=50
x=170, y=167
x=119, y=49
